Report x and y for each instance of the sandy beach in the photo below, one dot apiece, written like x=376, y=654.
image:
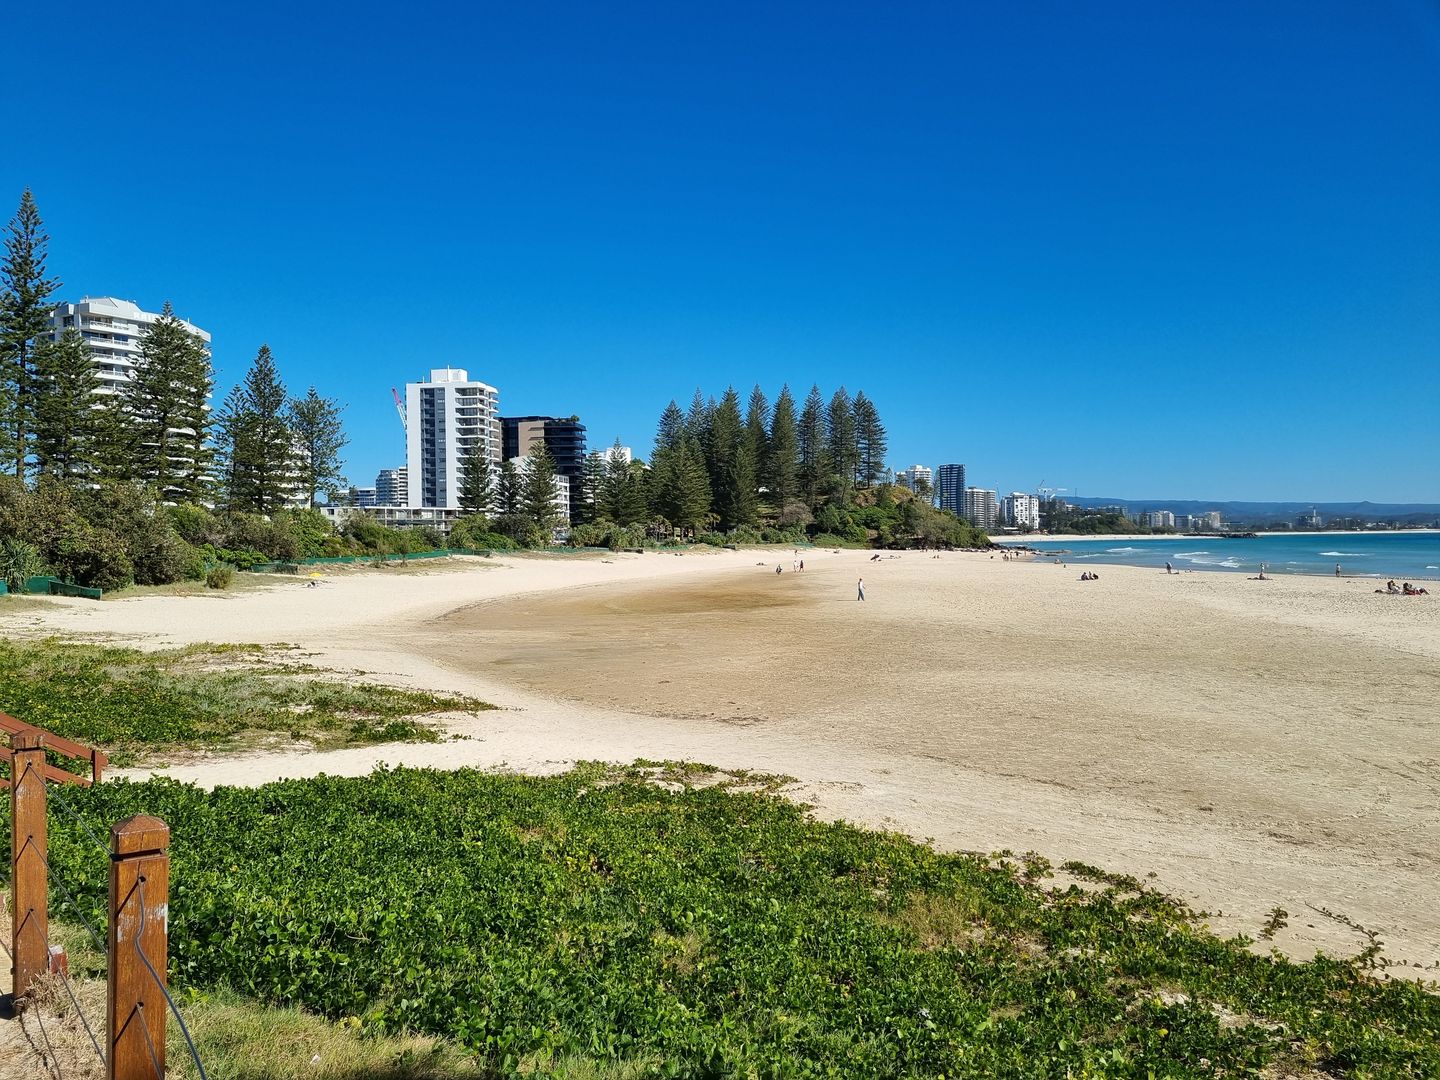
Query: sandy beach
x=1252, y=745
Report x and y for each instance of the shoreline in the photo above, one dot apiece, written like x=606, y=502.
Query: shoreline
x=1132, y=763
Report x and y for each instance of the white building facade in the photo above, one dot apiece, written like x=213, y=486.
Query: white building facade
x=981, y=507
x=913, y=477
x=392, y=487
x=1021, y=511
x=444, y=418
x=112, y=329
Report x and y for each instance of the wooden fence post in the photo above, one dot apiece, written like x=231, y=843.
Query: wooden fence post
x=139, y=924
x=29, y=918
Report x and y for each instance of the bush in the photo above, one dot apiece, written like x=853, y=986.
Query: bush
x=220, y=576
x=309, y=530
x=88, y=556
x=19, y=562
x=195, y=525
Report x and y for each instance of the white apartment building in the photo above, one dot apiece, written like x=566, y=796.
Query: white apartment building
x=981, y=507
x=444, y=418
x=392, y=487
x=912, y=477
x=1158, y=519
x=1021, y=511
x=112, y=329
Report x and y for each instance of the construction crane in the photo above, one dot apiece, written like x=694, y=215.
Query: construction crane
x=400, y=408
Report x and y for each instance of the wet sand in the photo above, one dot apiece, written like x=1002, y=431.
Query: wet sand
x=1290, y=725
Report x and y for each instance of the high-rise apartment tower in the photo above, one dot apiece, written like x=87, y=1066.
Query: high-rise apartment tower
x=445, y=417
x=950, y=489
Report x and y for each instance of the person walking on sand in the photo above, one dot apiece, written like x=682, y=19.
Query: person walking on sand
x=1337, y=569
x=861, y=589
x=1169, y=569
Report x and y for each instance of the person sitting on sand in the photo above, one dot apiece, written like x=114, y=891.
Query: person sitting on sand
x=1390, y=588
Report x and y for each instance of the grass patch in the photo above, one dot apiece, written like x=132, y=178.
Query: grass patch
x=142, y=705
x=598, y=924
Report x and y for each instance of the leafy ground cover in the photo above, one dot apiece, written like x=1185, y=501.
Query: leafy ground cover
x=668, y=929
x=141, y=704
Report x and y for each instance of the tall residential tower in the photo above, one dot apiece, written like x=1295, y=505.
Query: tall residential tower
x=444, y=418
x=950, y=489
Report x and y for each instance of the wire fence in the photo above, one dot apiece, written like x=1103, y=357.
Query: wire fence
x=127, y=951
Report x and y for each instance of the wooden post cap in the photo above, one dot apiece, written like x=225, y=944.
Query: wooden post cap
x=27, y=740
x=137, y=834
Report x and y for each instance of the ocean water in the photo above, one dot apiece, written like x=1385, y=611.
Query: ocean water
x=1405, y=556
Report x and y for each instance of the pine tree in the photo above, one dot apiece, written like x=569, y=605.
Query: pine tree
x=671, y=428
x=537, y=494
x=782, y=463
x=25, y=311
x=631, y=497
x=477, y=480
x=699, y=422
x=195, y=478
x=319, y=436
x=227, y=427
x=159, y=401
x=870, y=440
x=757, y=436
x=507, y=488
x=679, y=487
x=732, y=470
x=811, y=439
x=841, y=456
x=68, y=410
x=585, y=502
x=261, y=456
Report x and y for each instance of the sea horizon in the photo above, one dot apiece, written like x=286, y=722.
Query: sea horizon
x=1412, y=554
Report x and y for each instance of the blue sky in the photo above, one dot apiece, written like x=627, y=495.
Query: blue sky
x=1142, y=250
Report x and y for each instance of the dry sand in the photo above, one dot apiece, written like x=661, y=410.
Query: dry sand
x=1252, y=744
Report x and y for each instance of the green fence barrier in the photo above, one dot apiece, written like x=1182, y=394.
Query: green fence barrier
x=4, y=588
x=64, y=588
x=46, y=585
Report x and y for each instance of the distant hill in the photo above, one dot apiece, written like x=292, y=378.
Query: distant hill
x=1409, y=513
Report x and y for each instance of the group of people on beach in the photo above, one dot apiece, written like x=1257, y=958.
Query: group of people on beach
x=1405, y=589
x=1089, y=576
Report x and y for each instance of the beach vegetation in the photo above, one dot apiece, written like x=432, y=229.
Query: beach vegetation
x=220, y=576
x=613, y=921
x=151, y=704
x=781, y=478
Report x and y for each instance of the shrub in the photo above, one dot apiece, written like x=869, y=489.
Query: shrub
x=19, y=562
x=195, y=525
x=220, y=576
x=89, y=556
x=309, y=530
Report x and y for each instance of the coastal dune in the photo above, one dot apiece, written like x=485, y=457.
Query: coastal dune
x=1253, y=745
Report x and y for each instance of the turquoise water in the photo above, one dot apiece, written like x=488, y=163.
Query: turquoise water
x=1405, y=556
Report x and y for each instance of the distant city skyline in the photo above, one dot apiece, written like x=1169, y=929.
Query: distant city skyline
x=1131, y=250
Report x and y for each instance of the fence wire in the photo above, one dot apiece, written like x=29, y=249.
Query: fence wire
x=159, y=982
x=54, y=879
x=64, y=804
x=64, y=979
